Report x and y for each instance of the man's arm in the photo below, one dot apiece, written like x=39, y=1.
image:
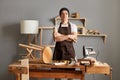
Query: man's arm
x=73, y=36
x=60, y=37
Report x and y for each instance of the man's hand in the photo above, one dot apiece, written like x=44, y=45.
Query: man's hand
x=72, y=37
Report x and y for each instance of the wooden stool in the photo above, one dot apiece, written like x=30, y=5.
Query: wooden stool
x=46, y=52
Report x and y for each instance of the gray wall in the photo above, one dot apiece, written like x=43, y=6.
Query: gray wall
x=101, y=14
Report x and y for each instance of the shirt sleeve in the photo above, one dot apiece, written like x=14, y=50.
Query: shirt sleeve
x=73, y=28
x=56, y=27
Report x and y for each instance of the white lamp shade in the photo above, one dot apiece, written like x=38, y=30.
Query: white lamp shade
x=29, y=26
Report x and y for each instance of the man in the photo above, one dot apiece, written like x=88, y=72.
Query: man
x=64, y=34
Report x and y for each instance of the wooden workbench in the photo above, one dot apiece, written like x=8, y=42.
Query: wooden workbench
x=37, y=70
x=49, y=71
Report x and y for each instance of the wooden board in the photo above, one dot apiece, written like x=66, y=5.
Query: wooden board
x=25, y=63
x=99, y=68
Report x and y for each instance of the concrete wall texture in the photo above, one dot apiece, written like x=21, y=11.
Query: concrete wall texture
x=102, y=15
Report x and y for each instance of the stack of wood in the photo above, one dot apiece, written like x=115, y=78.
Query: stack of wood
x=94, y=32
x=75, y=15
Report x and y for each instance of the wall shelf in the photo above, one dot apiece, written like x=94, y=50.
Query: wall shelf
x=83, y=20
x=103, y=36
x=41, y=29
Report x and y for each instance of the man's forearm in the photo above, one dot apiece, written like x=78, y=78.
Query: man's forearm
x=73, y=37
x=61, y=38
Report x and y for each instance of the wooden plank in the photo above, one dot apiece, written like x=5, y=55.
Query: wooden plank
x=101, y=68
x=56, y=74
x=46, y=27
x=25, y=63
x=37, y=65
x=21, y=69
x=30, y=47
x=18, y=69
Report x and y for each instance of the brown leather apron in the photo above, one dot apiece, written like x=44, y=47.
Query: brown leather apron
x=64, y=50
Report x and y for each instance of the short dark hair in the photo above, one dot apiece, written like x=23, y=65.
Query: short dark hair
x=62, y=9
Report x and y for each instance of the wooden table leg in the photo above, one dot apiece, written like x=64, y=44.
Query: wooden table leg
x=82, y=76
x=18, y=76
x=111, y=74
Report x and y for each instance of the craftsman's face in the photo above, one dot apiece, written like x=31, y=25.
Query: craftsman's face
x=64, y=15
